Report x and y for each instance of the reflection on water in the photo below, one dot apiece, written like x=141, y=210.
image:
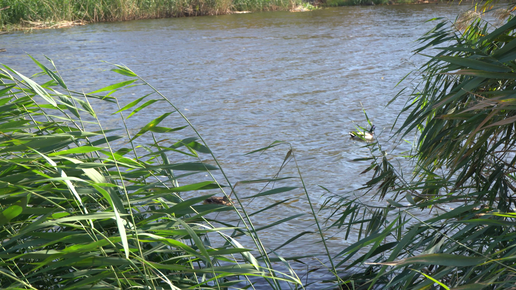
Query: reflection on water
x=247, y=80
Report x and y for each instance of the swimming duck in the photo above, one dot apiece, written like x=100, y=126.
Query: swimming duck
x=367, y=135
x=218, y=200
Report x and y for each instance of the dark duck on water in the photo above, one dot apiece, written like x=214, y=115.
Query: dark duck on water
x=218, y=200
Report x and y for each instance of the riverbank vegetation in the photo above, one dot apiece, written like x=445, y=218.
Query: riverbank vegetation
x=85, y=206
x=35, y=14
x=22, y=13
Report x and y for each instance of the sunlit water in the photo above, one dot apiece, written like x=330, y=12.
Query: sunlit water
x=247, y=80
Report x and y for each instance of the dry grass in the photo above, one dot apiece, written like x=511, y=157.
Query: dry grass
x=28, y=25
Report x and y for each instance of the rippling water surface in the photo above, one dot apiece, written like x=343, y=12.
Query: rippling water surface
x=247, y=80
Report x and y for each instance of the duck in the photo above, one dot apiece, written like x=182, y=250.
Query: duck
x=367, y=135
x=218, y=200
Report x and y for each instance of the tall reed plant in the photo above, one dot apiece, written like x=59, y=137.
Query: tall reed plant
x=448, y=220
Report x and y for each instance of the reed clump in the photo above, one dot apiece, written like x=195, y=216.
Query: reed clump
x=86, y=207
x=449, y=212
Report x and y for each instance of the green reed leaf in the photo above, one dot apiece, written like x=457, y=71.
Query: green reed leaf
x=273, y=191
x=475, y=64
x=279, y=222
x=36, y=88
x=197, y=241
x=13, y=211
x=50, y=73
x=124, y=71
x=119, y=221
x=150, y=125
x=158, y=129
x=146, y=104
x=435, y=281
x=113, y=87
x=187, y=166
x=5, y=90
x=438, y=259
x=77, y=150
x=485, y=74
x=473, y=286
x=131, y=104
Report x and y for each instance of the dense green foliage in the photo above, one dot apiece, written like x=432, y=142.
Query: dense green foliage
x=19, y=11
x=464, y=113
x=84, y=207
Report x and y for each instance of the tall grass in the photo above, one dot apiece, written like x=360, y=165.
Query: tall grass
x=106, y=10
x=87, y=207
x=264, y=5
x=121, y=10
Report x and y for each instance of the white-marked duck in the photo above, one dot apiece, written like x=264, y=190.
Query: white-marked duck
x=367, y=135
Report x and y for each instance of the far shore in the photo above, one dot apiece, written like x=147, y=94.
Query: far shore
x=28, y=25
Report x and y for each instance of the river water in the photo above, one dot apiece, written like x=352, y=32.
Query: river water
x=246, y=80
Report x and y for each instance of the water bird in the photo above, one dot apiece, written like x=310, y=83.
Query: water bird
x=218, y=200
x=367, y=135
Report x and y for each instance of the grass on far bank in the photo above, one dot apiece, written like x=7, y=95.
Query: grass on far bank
x=20, y=13
x=35, y=14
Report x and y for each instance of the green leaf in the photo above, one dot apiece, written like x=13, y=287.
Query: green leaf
x=197, y=242
x=273, y=191
x=50, y=73
x=131, y=104
x=158, y=129
x=119, y=221
x=77, y=150
x=507, y=27
x=36, y=88
x=13, y=211
x=122, y=160
x=86, y=106
x=150, y=125
x=188, y=166
x=247, y=254
x=113, y=87
x=124, y=71
x=438, y=259
x=279, y=222
x=395, y=203
x=491, y=222
x=473, y=286
x=6, y=89
x=485, y=74
x=13, y=125
x=435, y=281
x=146, y=104
x=196, y=186
x=475, y=64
